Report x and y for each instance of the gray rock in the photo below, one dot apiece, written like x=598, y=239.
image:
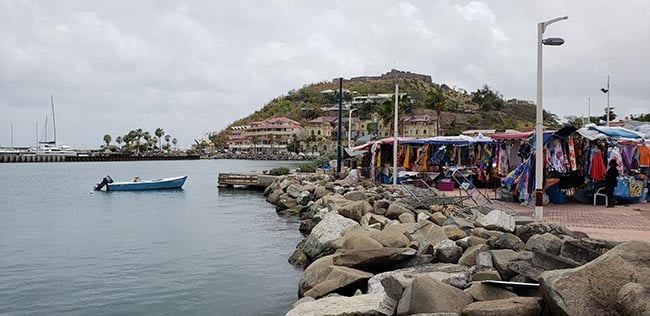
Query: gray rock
x=274, y=196
x=357, y=239
x=321, y=191
x=503, y=257
x=584, y=250
x=497, y=220
x=462, y=223
x=293, y=190
x=422, y=217
x=474, y=240
x=304, y=198
x=593, y=288
x=447, y=251
x=537, y=228
x=381, y=204
x=339, y=279
x=325, y=233
x=406, y=218
x=469, y=256
x=486, y=292
x=463, y=243
x=309, y=187
x=438, y=218
x=515, y=306
x=397, y=209
x=484, y=275
x=356, y=196
x=526, y=269
x=427, y=295
x=355, y=210
x=315, y=273
x=304, y=299
x=484, y=260
x=485, y=234
x=634, y=299
x=428, y=232
x=452, y=274
x=454, y=232
x=299, y=258
x=546, y=242
x=285, y=202
x=375, y=260
x=361, y=305
x=547, y=261
x=506, y=241
x=391, y=236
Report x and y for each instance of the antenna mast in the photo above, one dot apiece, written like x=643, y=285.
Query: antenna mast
x=53, y=118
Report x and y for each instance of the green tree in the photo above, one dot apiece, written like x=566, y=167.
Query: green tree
x=107, y=140
x=174, y=141
x=118, y=140
x=487, y=99
x=437, y=101
x=641, y=117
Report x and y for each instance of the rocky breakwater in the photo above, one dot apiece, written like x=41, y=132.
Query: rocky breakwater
x=369, y=250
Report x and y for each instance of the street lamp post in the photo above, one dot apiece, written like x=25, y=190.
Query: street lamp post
x=539, y=138
x=350, y=127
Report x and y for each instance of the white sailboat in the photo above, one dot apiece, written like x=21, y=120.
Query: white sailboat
x=50, y=148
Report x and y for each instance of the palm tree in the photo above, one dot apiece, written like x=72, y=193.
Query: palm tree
x=174, y=141
x=167, y=139
x=107, y=140
x=159, y=133
x=118, y=140
x=255, y=140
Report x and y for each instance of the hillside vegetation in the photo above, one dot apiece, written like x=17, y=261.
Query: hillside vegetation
x=459, y=110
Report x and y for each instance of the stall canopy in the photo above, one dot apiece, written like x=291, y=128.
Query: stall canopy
x=388, y=140
x=562, y=133
x=460, y=140
x=511, y=136
x=599, y=132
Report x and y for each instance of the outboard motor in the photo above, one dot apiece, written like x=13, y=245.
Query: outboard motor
x=105, y=181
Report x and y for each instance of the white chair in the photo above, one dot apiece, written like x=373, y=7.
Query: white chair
x=599, y=193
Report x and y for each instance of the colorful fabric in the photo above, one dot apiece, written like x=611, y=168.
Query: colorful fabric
x=572, y=155
x=407, y=158
x=644, y=156
x=597, y=170
x=613, y=153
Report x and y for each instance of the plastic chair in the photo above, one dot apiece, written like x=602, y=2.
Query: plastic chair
x=598, y=193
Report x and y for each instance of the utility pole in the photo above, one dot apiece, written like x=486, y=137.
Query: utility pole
x=340, y=127
x=395, y=136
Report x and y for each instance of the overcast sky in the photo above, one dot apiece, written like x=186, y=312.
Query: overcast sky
x=196, y=66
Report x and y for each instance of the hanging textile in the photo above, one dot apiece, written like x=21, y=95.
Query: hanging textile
x=597, y=171
x=628, y=152
x=644, y=156
x=407, y=158
x=613, y=153
x=556, y=159
x=572, y=155
x=421, y=160
x=502, y=162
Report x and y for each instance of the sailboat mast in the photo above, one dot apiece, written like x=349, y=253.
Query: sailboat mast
x=45, y=130
x=12, y=134
x=53, y=118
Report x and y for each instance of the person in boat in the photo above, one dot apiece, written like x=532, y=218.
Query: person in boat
x=136, y=179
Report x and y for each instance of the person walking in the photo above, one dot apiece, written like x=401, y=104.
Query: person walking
x=610, y=182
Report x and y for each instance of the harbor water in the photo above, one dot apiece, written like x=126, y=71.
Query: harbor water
x=65, y=249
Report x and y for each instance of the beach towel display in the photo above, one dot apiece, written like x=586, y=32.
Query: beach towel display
x=613, y=153
x=572, y=155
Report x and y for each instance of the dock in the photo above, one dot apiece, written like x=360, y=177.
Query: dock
x=249, y=179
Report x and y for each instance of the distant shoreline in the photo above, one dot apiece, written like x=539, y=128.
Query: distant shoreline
x=61, y=158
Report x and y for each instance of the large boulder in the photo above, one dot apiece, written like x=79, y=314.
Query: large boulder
x=447, y=251
x=397, y=209
x=514, y=306
x=497, y=220
x=406, y=218
x=546, y=242
x=293, y=190
x=357, y=239
x=325, y=233
x=537, y=228
x=315, y=273
x=506, y=241
x=355, y=209
x=391, y=236
x=321, y=191
x=356, y=196
x=428, y=295
x=486, y=292
x=274, y=196
x=585, y=250
x=469, y=256
x=376, y=260
x=634, y=299
x=452, y=274
x=593, y=288
x=454, y=232
x=428, y=232
x=503, y=257
x=360, y=305
x=339, y=279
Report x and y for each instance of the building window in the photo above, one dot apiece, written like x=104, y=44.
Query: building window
x=424, y=132
x=318, y=132
x=312, y=132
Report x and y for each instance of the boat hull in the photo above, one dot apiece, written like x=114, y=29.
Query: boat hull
x=160, y=184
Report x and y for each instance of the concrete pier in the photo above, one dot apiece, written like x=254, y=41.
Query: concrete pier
x=250, y=179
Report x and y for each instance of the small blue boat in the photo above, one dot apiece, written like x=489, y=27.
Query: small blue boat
x=141, y=185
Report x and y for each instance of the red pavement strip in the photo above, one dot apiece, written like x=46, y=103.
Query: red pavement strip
x=622, y=223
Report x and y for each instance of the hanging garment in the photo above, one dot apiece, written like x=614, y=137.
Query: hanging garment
x=502, y=162
x=597, y=171
x=572, y=155
x=644, y=156
x=628, y=152
x=613, y=153
x=556, y=159
x=407, y=158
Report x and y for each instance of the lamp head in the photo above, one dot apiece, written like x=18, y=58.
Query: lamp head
x=553, y=41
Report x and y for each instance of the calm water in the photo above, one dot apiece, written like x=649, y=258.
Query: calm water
x=200, y=250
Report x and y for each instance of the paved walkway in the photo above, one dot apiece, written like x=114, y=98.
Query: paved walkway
x=621, y=223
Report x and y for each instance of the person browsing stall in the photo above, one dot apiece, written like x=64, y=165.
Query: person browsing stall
x=610, y=182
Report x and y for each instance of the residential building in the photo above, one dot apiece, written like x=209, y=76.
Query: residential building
x=267, y=136
x=419, y=126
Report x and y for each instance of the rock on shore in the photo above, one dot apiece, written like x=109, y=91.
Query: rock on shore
x=370, y=250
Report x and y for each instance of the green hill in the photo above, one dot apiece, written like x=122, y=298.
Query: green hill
x=461, y=110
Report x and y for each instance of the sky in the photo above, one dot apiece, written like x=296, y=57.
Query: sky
x=193, y=67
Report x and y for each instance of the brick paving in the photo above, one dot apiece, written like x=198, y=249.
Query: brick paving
x=621, y=223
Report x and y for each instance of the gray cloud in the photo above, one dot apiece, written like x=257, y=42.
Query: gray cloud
x=193, y=67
